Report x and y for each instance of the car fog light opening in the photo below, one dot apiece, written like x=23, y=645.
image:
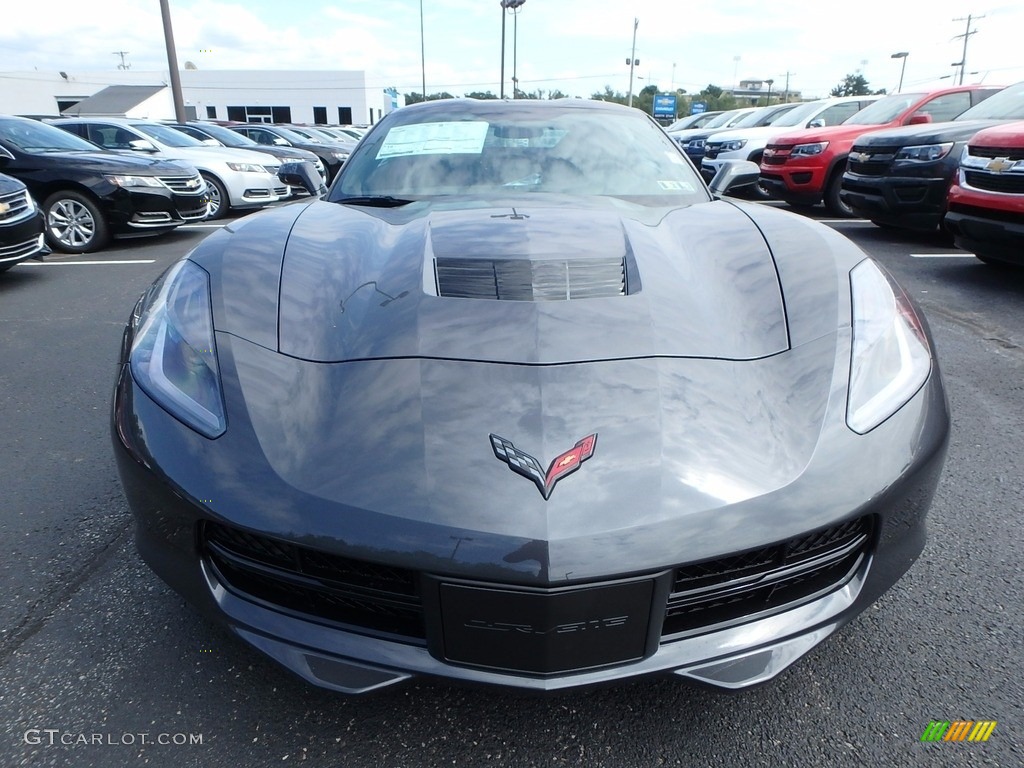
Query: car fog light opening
x=891, y=358
x=174, y=358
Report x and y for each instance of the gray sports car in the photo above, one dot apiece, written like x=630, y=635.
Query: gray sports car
x=522, y=402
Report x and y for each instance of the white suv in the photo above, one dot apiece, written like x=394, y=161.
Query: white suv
x=235, y=178
x=749, y=143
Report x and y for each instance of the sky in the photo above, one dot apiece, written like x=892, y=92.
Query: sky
x=576, y=46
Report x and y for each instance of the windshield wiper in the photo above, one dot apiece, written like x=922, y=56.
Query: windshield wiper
x=376, y=201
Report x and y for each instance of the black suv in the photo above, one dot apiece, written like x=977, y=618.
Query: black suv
x=899, y=177
x=88, y=194
x=21, y=224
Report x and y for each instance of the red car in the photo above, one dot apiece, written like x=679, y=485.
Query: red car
x=986, y=201
x=806, y=167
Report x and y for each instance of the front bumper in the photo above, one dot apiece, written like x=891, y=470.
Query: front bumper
x=142, y=210
x=343, y=644
x=909, y=202
x=253, y=190
x=22, y=240
x=988, y=232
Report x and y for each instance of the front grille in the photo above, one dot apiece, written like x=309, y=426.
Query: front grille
x=1012, y=183
x=736, y=588
x=319, y=584
x=195, y=214
x=526, y=280
x=185, y=185
x=1010, y=153
x=874, y=162
x=13, y=206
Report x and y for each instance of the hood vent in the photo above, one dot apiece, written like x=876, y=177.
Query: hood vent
x=525, y=280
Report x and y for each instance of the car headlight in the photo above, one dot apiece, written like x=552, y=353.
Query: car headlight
x=733, y=146
x=808, y=150
x=340, y=155
x=247, y=167
x=925, y=153
x=891, y=358
x=133, y=181
x=174, y=357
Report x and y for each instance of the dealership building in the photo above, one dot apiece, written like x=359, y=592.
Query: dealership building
x=268, y=96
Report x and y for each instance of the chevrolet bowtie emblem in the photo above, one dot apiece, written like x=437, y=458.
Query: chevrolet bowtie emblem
x=524, y=464
x=860, y=157
x=4, y=207
x=1000, y=164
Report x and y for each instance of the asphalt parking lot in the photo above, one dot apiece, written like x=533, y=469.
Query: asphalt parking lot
x=104, y=666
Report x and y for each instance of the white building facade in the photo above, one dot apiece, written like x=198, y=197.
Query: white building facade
x=280, y=96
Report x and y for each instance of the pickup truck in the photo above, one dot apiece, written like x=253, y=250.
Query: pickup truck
x=986, y=201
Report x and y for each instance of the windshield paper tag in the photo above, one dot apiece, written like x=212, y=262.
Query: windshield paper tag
x=456, y=138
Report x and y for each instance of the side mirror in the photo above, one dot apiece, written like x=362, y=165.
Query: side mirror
x=919, y=118
x=733, y=174
x=141, y=145
x=818, y=122
x=211, y=143
x=280, y=142
x=303, y=175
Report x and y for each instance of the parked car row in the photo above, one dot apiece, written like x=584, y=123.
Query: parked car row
x=21, y=224
x=91, y=179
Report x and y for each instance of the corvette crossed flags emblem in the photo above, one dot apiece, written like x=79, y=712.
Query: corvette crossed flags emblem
x=524, y=464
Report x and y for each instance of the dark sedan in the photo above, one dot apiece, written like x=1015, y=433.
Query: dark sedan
x=900, y=177
x=88, y=194
x=21, y=224
x=523, y=402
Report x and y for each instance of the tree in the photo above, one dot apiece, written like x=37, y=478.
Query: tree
x=852, y=85
x=480, y=95
x=415, y=98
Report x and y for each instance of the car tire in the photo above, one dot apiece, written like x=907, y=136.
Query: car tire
x=757, y=191
x=833, y=202
x=219, y=201
x=74, y=223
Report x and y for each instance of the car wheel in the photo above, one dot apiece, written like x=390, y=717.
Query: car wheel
x=74, y=223
x=218, y=196
x=757, y=191
x=834, y=203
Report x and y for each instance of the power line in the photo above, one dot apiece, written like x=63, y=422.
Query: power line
x=966, y=36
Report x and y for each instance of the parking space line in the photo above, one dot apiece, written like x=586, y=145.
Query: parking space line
x=942, y=255
x=83, y=263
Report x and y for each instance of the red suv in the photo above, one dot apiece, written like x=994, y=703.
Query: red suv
x=986, y=201
x=806, y=167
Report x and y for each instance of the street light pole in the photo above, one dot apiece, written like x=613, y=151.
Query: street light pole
x=903, y=68
x=172, y=63
x=423, y=54
x=632, y=61
x=770, y=81
x=515, y=47
x=505, y=5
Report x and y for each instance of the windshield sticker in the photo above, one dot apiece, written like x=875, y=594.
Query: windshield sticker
x=675, y=186
x=675, y=157
x=456, y=138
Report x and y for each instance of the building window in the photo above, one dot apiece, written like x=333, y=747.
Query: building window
x=68, y=102
x=211, y=113
x=260, y=114
x=345, y=115
x=320, y=115
x=190, y=113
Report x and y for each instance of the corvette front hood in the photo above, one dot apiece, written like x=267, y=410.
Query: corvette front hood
x=362, y=284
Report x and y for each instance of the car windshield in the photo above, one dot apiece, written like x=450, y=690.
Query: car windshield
x=884, y=110
x=1007, y=104
x=799, y=115
x=167, y=135
x=763, y=116
x=33, y=136
x=226, y=137
x=294, y=136
x=309, y=136
x=722, y=120
x=501, y=149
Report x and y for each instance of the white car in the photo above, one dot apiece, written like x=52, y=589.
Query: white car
x=749, y=143
x=235, y=178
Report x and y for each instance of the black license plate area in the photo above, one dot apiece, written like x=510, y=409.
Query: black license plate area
x=546, y=632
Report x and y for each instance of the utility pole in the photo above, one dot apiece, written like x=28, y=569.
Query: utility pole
x=122, y=54
x=172, y=63
x=632, y=61
x=966, y=35
x=785, y=99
